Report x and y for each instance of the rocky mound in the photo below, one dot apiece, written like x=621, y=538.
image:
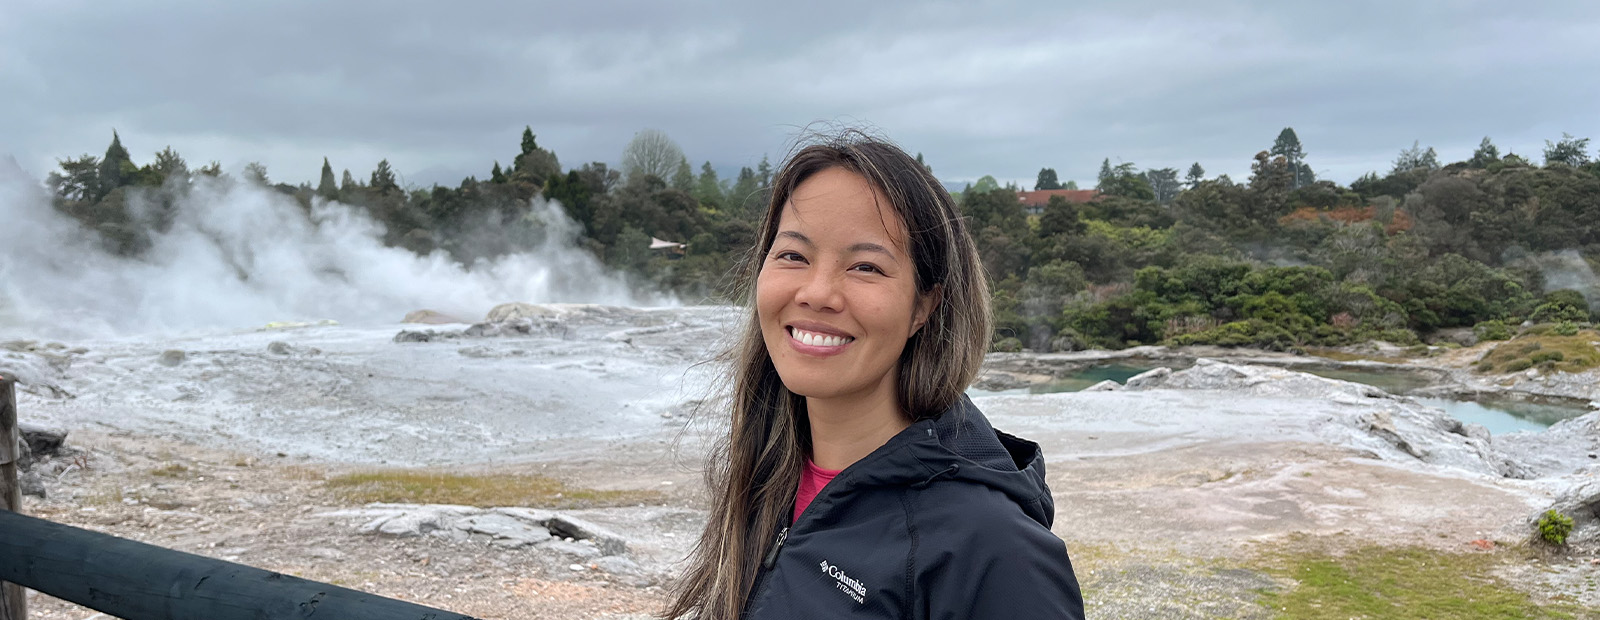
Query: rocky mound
x=1392, y=426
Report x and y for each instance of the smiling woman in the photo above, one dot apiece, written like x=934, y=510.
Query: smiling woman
x=855, y=477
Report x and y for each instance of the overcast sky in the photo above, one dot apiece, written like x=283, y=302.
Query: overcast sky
x=1003, y=88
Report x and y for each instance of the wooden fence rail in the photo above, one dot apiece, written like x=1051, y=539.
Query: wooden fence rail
x=136, y=581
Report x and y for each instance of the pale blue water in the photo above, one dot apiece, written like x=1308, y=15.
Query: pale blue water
x=1505, y=417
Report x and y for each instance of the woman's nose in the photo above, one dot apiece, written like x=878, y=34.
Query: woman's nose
x=820, y=291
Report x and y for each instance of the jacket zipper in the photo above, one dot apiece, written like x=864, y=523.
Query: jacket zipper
x=772, y=556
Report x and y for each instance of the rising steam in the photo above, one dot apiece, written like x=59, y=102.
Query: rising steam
x=240, y=255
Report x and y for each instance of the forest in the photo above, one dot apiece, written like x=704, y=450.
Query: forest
x=1281, y=260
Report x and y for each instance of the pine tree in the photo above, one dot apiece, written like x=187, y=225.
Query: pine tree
x=1196, y=175
x=1106, y=175
x=115, y=167
x=347, y=183
x=529, y=144
x=497, y=175
x=169, y=164
x=708, y=190
x=683, y=179
x=1288, y=147
x=764, y=172
x=382, y=180
x=1486, y=154
x=746, y=191
x=925, y=165
x=328, y=188
x=256, y=172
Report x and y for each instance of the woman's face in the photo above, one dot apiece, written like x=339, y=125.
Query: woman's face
x=836, y=295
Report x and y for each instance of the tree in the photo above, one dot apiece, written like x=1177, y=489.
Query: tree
x=1126, y=182
x=708, y=189
x=348, y=184
x=1060, y=217
x=1196, y=175
x=1415, y=158
x=256, y=172
x=1486, y=154
x=382, y=180
x=116, y=168
x=1164, y=183
x=1106, y=175
x=1047, y=180
x=531, y=168
x=1072, y=185
x=746, y=190
x=328, y=187
x=651, y=152
x=79, y=178
x=1569, y=151
x=985, y=184
x=764, y=172
x=1288, y=147
x=169, y=164
x=497, y=175
x=925, y=165
x=683, y=178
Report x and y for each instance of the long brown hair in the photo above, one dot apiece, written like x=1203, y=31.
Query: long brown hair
x=755, y=469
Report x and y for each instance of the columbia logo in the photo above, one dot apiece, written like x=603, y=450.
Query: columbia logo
x=846, y=584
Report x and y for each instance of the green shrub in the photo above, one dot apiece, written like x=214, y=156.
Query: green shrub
x=1007, y=345
x=1554, y=527
x=1547, y=356
x=1492, y=330
x=1566, y=328
x=1518, y=365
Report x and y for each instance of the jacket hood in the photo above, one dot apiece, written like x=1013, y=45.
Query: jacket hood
x=959, y=445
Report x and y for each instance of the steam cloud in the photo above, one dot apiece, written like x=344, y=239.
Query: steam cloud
x=239, y=255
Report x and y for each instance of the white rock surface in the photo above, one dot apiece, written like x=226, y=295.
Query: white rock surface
x=509, y=526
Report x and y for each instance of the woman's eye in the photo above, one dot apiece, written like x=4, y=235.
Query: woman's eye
x=789, y=256
x=867, y=267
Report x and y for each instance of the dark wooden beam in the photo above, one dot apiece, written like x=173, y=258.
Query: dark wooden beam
x=136, y=581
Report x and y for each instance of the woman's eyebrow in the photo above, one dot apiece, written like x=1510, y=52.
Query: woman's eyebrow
x=867, y=246
x=797, y=237
x=864, y=246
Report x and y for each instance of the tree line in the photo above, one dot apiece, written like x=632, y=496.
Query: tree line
x=1280, y=260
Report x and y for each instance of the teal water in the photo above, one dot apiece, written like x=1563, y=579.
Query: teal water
x=1087, y=377
x=1505, y=416
x=1393, y=382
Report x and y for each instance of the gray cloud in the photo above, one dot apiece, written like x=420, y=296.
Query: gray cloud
x=1000, y=88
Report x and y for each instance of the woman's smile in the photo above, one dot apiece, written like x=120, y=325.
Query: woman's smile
x=818, y=341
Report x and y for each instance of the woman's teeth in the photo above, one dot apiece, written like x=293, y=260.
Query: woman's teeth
x=818, y=340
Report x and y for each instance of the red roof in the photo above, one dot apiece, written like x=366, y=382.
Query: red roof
x=1040, y=198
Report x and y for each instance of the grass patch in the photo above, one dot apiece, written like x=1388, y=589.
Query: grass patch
x=487, y=490
x=1384, y=582
x=1546, y=348
x=171, y=470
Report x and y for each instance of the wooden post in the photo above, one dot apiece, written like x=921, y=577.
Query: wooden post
x=13, y=599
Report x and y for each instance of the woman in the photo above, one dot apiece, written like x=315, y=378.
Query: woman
x=857, y=480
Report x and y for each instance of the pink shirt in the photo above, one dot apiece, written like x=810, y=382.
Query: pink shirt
x=812, y=479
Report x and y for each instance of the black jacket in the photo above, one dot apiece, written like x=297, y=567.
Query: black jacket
x=948, y=520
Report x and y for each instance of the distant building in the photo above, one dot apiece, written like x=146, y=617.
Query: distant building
x=672, y=249
x=1033, y=202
